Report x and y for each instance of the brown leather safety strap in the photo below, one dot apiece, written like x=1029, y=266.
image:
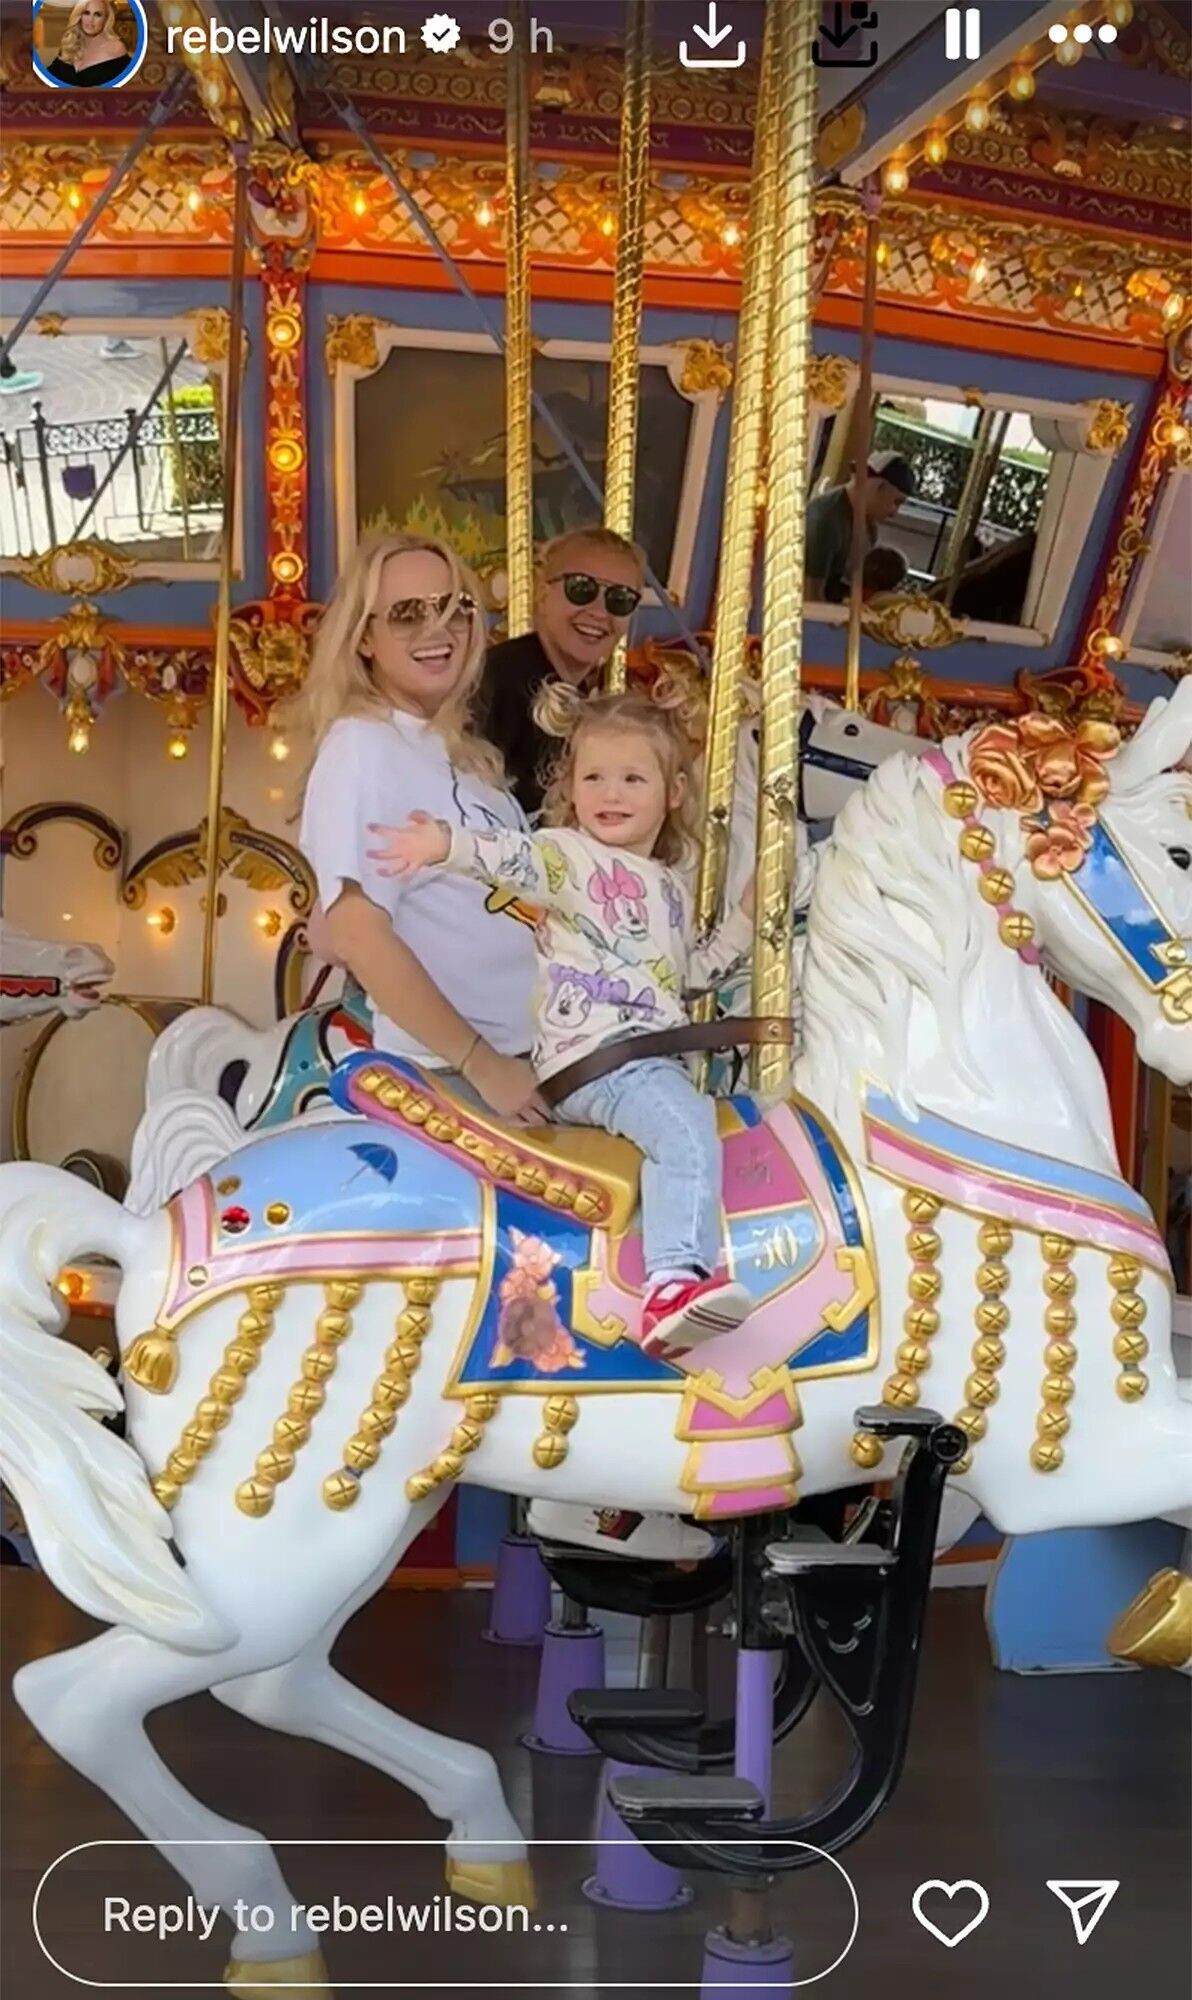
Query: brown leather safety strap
x=747, y=1031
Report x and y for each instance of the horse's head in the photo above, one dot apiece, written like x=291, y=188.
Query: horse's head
x=1095, y=871
x=41, y=976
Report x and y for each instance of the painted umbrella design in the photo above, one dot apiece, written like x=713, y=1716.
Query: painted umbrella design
x=380, y=1159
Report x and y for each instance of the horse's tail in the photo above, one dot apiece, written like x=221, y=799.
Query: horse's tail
x=205, y=1049
x=92, y=1516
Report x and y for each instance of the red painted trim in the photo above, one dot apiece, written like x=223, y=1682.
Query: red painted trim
x=175, y=636
x=410, y=271
x=982, y=336
x=1118, y=1057
x=146, y=259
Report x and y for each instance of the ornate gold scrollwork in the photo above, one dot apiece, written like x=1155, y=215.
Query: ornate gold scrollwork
x=351, y=341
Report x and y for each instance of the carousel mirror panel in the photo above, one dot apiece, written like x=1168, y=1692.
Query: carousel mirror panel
x=110, y=433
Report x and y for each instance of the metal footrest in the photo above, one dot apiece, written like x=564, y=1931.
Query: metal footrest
x=804, y=1558
x=883, y=1422
x=679, y=1800
x=656, y=1709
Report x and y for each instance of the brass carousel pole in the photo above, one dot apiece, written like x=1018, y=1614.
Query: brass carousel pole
x=738, y=535
x=227, y=559
x=519, y=415
x=782, y=624
x=861, y=432
x=624, y=368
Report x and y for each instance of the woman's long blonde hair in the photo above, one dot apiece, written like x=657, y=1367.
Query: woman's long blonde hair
x=72, y=35
x=340, y=682
x=563, y=711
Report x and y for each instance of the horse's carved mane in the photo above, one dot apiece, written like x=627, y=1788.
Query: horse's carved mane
x=891, y=918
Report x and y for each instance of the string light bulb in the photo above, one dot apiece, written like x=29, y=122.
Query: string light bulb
x=730, y=235
x=359, y=204
x=1068, y=52
x=977, y=113
x=1173, y=307
x=935, y=148
x=485, y=214
x=1021, y=83
x=895, y=177
x=268, y=922
x=74, y=195
x=279, y=749
x=162, y=921
x=1120, y=12
x=194, y=200
x=979, y=272
x=608, y=223
x=177, y=746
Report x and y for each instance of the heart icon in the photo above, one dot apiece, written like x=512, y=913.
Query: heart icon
x=951, y=1889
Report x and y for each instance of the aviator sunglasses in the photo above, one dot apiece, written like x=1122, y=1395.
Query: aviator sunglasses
x=416, y=611
x=620, y=599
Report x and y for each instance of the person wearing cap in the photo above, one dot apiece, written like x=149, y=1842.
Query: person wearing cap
x=590, y=582
x=828, y=563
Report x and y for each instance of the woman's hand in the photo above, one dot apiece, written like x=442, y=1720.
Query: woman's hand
x=421, y=843
x=507, y=1085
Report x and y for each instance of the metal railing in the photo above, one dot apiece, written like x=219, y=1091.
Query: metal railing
x=157, y=475
x=1014, y=499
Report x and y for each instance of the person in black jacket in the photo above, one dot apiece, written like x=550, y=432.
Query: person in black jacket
x=91, y=52
x=590, y=584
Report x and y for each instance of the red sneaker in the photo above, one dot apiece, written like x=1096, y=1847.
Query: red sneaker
x=682, y=1312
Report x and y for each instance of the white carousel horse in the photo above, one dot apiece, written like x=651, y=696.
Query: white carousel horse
x=321, y=1334
x=274, y=1074
x=39, y=976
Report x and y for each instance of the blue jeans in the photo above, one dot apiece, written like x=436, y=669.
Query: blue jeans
x=657, y=1106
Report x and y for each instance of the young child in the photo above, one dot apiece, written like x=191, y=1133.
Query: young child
x=615, y=954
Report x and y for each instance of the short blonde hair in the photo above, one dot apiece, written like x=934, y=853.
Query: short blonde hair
x=339, y=680
x=72, y=35
x=561, y=710
x=596, y=537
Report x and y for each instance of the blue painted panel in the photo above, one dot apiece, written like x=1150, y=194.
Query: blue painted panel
x=151, y=603
x=1054, y=1597
x=481, y=1520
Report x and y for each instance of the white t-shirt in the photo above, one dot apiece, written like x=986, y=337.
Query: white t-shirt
x=377, y=771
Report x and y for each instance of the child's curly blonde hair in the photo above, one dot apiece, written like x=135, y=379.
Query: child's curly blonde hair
x=562, y=711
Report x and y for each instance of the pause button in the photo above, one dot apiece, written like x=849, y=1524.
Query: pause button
x=970, y=19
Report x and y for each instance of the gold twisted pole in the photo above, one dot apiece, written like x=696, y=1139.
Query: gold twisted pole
x=862, y=426
x=621, y=456
x=227, y=564
x=519, y=416
x=793, y=86
x=738, y=536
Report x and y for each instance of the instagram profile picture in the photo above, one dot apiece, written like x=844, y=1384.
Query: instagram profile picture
x=88, y=44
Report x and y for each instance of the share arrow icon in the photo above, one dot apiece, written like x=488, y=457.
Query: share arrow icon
x=1086, y=1904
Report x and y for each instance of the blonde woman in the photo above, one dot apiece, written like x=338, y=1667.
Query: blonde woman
x=386, y=716
x=91, y=52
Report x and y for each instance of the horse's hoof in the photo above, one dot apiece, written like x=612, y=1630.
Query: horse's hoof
x=507, y=1883
x=266, y=1978
x=1156, y=1630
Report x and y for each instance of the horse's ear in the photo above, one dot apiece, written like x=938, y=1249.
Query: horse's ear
x=1161, y=742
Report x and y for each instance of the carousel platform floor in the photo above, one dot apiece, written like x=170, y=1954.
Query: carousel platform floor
x=1009, y=1782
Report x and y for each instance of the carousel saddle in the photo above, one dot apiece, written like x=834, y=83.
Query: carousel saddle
x=573, y=1168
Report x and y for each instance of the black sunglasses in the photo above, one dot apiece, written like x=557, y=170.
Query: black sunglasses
x=411, y=611
x=620, y=599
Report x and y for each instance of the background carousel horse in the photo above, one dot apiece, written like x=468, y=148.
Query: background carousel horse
x=38, y=976
x=325, y=1331
x=272, y=1075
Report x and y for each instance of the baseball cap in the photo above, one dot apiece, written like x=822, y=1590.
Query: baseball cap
x=896, y=470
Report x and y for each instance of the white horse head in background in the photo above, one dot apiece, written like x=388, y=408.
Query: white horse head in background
x=42, y=976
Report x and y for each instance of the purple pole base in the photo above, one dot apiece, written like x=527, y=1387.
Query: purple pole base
x=755, y=1718
x=521, y=1595
x=731, y=1968
x=627, y=1877
x=572, y=1658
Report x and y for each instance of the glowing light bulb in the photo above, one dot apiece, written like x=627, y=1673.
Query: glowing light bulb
x=1173, y=306
x=608, y=224
x=268, y=922
x=730, y=235
x=194, y=200
x=977, y=114
x=177, y=746
x=895, y=178
x=74, y=197
x=1113, y=648
x=1068, y=52
x=883, y=251
x=1021, y=84
x=359, y=205
x=979, y=272
x=1120, y=12
x=162, y=921
x=485, y=214
x=935, y=148
x=279, y=749
x=79, y=739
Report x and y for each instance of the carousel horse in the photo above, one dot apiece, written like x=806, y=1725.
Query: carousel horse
x=272, y=1075
x=38, y=976
x=337, y=1321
